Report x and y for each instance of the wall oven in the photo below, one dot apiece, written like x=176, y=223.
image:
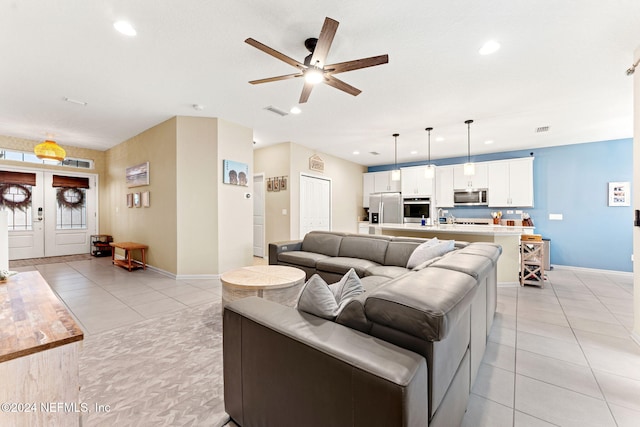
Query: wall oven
x=415, y=208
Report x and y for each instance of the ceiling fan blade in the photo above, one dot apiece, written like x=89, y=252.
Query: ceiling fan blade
x=341, y=67
x=324, y=41
x=339, y=84
x=306, y=91
x=275, y=79
x=281, y=56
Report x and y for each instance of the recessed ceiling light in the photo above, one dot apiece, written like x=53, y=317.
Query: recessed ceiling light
x=414, y=152
x=490, y=141
x=75, y=101
x=198, y=107
x=440, y=139
x=125, y=28
x=489, y=47
x=295, y=110
x=356, y=152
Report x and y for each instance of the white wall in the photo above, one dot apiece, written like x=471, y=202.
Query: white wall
x=636, y=199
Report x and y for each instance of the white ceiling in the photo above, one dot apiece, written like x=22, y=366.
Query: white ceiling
x=562, y=64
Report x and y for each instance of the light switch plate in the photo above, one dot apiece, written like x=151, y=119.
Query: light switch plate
x=284, y=211
x=555, y=217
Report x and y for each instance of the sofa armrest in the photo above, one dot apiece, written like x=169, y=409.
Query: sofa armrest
x=278, y=247
x=283, y=367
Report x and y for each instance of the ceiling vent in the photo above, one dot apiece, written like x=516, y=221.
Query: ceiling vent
x=542, y=129
x=375, y=153
x=276, y=110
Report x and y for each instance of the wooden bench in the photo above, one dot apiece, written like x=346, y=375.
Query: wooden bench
x=128, y=248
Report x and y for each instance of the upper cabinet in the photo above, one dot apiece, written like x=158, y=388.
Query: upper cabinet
x=477, y=180
x=377, y=182
x=444, y=187
x=414, y=183
x=511, y=183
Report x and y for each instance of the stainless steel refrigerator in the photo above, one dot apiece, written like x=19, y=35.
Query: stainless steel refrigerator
x=385, y=208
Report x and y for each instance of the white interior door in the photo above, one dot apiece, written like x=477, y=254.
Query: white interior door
x=258, y=216
x=315, y=204
x=45, y=227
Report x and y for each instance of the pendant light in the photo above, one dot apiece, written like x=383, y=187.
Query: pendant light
x=430, y=171
x=469, y=168
x=395, y=173
x=49, y=150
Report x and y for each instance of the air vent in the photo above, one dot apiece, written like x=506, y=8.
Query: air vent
x=276, y=110
x=542, y=129
x=375, y=153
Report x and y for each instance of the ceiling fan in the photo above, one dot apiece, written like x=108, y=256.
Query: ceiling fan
x=314, y=69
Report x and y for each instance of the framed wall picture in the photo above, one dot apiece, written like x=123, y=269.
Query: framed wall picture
x=138, y=175
x=136, y=200
x=129, y=200
x=276, y=184
x=145, y=199
x=619, y=194
x=235, y=173
x=283, y=183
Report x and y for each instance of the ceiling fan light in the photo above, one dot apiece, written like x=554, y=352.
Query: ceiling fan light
x=49, y=150
x=313, y=75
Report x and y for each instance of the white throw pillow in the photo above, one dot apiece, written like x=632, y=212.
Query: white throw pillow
x=429, y=250
x=326, y=301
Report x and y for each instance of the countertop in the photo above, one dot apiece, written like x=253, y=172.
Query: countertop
x=489, y=229
x=32, y=318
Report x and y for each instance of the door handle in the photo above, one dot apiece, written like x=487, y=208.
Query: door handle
x=40, y=214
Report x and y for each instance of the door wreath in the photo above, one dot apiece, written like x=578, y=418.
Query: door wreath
x=10, y=202
x=70, y=197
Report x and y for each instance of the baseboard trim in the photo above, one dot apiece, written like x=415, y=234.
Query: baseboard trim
x=179, y=276
x=592, y=270
x=508, y=284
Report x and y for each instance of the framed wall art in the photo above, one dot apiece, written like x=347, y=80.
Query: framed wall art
x=619, y=194
x=129, y=200
x=136, y=200
x=145, y=199
x=138, y=175
x=235, y=173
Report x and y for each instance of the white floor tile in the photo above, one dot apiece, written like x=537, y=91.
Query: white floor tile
x=625, y=417
x=500, y=356
x=558, y=349
x=495, y=384
x=525, y=420
x=619, y=390
x=482, y=412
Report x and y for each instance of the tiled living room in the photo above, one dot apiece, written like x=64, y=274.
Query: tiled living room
x=560, y=355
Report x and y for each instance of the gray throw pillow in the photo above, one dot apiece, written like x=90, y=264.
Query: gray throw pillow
x=429, y=250
x=327, y=301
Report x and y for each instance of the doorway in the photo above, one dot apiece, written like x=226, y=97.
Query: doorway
x=50, y=213
x=315, y=204
x=258, y=215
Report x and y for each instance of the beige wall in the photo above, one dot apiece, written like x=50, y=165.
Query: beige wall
x=274, y=161
x=636, y=200
x=292, y=160
x=155, y=226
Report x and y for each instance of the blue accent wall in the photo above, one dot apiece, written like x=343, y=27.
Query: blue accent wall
x=572, y=180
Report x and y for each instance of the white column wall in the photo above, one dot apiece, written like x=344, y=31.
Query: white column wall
x=636, y=199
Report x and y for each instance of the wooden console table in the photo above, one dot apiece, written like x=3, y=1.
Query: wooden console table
x=128, y=248
x=39, y=353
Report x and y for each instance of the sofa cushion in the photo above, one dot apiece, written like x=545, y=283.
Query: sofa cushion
x=352, y=314
x=398, y=253
x=425, y=304
x=370, y=283
x=390, y=271
x=428, y=250
x=489, y=250
x=307, y=259
x=372, y=248
x=322, y=242
x=473, y=265
x=319, y=299
x=341, y=265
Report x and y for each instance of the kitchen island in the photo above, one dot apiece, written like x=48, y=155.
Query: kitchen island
x=506, y=236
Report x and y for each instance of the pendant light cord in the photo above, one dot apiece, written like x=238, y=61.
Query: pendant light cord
x=429, y=142
x=395, y=136
x=468, y=122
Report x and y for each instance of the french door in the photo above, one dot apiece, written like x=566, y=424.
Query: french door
x=59, y=218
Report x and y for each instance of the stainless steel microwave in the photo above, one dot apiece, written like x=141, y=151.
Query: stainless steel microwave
x=470, y=197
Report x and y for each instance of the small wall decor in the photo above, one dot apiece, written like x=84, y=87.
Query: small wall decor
x=269, y=184
x=316, y=163
x=129, y=200
x=70, y=197
x=15, y=197
x=145, y=199
x=619, y=194
x=138, y=175
x=283, y=183
x=276, y=184
x=235, y=173
x=136, y=200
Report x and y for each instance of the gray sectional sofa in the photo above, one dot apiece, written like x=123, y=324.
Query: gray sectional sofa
x=403, y=353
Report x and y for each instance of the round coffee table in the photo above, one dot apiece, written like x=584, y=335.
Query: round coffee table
x=272, y=282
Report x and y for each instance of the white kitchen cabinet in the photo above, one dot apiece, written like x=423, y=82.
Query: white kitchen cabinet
x=363, y=228
x=444, y=187
x=414, y=184
x=367, y=188
x=478, y=180
x=382, y=183
x=511, y=183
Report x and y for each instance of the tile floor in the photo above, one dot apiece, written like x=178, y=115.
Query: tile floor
x=557, y=356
